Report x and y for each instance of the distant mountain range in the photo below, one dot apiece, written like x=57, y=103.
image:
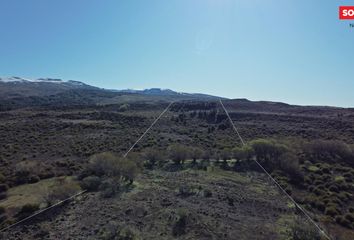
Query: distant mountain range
x=16, y=87
x=18, y=92
x=167, y=92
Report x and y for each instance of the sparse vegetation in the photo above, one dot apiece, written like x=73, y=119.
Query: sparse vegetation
x=42, y=145
x=180, y=225
x=301, y=231
x=61, y=191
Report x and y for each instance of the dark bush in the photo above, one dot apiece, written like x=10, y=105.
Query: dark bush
x=185, y=191
x=179, y=227
x=27, y=210
x=195, y=154
x=329, y=151
x=268, y=152
x=331, y=211
x=204, y=164
x=225, y=154
x=113, y=231
x=349, y=217
x=33, y=179
x=3, y=187
x=153, y=157
x=301, y=231
x=207, y=193
x=320, y=205
x=343, y=221
x=3, y=218
x=110, y=166
x=3, y=195
x=243, y=153
x=289, y=163
x=2, y=178
x=207, y=155
x=178, y=153
x=91, y=183
x=110, y=187
x=60, y=192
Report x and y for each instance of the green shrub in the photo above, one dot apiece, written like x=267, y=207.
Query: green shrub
x=289, y=163
x=23, y=170
x=329, y=150
x=268, y=151
x=243, y=153
x=153, y=157
x=91, y=183
x=180, y=225
x=207, y=193
x=110, y=187
x=61, y=192
x=111, y=166
x=123, y=107
x=331, y=211
x=27, y=210
x=112, y=231
x=301, y=231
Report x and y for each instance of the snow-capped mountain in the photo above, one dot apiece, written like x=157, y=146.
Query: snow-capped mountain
x=165, y=92
x=11, y=87
x=39, y=80
x=17, y=86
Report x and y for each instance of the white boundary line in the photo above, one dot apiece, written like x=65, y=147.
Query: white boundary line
x=276, y=183
x=43, y=210
x=79, y=193
x=147, y=130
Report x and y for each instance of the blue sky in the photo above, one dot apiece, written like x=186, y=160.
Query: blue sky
x=292, y=51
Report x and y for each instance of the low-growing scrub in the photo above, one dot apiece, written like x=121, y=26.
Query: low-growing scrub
x=303, y=231
x=91, y=183
x=180, y=225
x=27, y=210
x=113, y=231
x=61, y=191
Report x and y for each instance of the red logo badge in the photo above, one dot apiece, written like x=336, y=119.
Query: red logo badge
x=346, y=12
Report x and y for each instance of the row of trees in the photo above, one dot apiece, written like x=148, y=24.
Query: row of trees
x=272, y=155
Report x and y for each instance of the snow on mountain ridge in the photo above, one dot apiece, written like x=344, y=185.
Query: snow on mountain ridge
x=39, y=80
